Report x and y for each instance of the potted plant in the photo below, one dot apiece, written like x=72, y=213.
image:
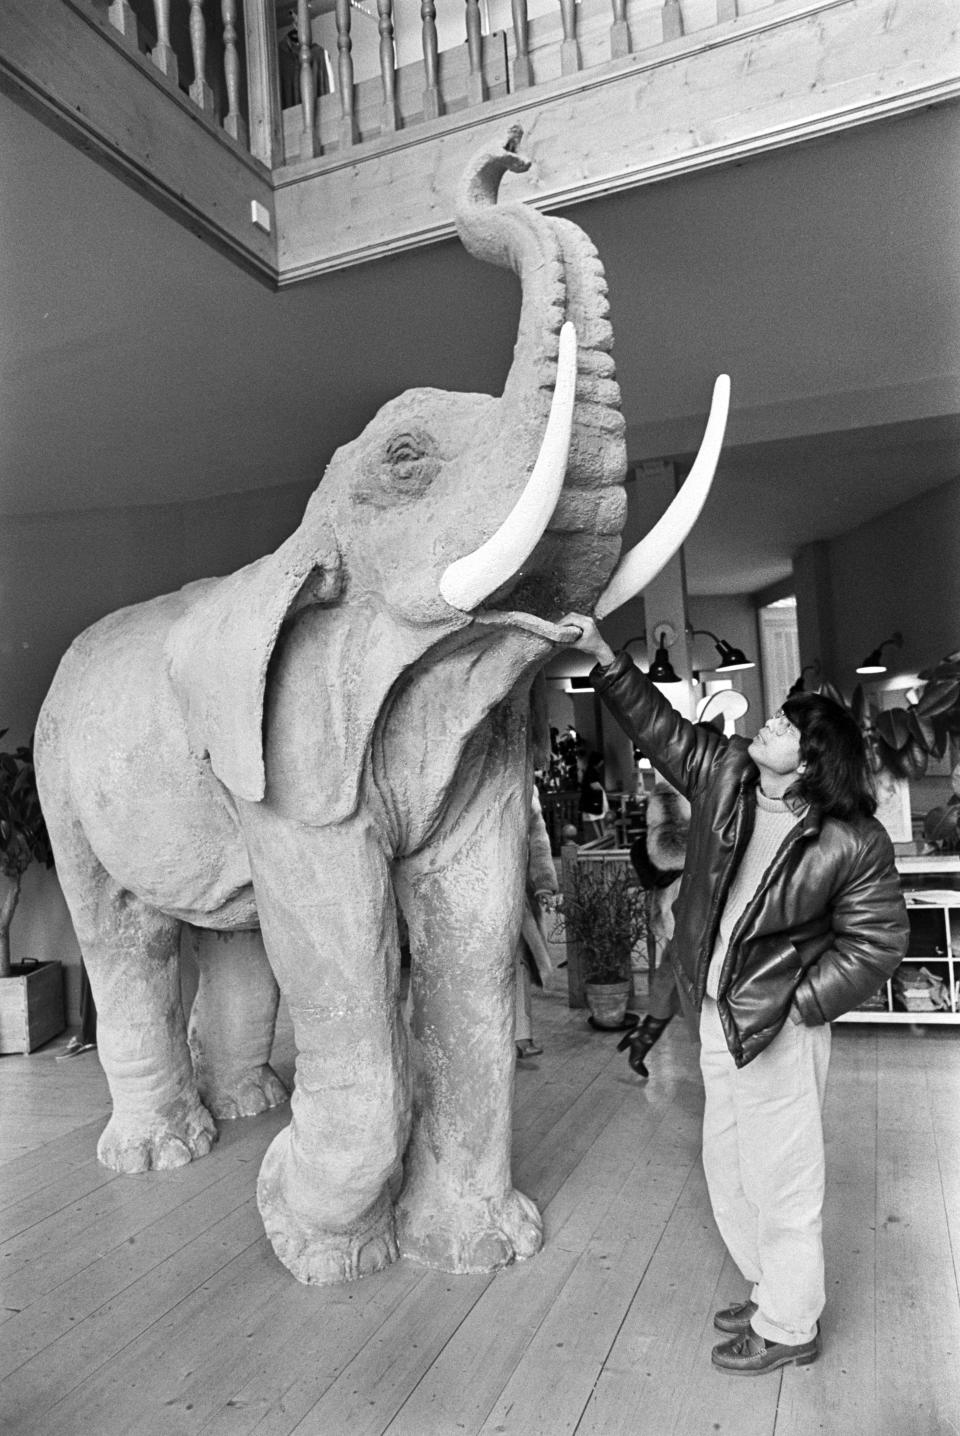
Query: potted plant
x=605, y=913
x=31, y=993
x=941, y=826
x=901, y=740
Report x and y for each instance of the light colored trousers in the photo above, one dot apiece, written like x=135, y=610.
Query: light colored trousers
x=764, y=1164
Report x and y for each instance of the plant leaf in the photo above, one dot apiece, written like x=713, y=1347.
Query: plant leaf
x=893, y=728
x=938, y=697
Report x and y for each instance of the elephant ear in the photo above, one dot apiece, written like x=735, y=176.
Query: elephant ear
x=219, y=651
x=332, y=677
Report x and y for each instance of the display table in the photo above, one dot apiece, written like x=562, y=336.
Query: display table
x=931, y=886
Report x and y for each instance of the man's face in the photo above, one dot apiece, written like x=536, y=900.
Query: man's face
x=777, y=746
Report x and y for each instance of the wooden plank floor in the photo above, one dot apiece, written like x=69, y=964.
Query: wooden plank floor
x=154, y=1304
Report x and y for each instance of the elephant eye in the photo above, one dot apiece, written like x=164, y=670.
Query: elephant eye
x=410, y=463
x=404, y=451
x=404, y=461
x=402, y=468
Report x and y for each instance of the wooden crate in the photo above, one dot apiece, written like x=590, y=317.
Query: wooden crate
x=31, y=1007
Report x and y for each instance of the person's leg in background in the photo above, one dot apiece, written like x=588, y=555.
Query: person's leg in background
x=88, y=1011
x=523, y=1008
x=663, y=1005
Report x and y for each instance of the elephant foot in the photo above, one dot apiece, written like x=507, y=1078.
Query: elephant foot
x=475, y=1239
x=317, y=1255
x=159, y=1143
x=246, y=1095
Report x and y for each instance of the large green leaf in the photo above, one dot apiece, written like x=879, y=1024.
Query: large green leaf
x=23, y=832
x=942, y=826
x=893, y=726
x=938, y=697
x=946, y=669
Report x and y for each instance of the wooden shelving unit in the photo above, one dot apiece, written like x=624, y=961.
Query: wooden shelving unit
x=931, y=887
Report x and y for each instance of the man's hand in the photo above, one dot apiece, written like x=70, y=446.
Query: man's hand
x=583, y=634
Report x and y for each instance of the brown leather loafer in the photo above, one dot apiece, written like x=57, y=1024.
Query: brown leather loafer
x=735, y=1318
x=750, y=1355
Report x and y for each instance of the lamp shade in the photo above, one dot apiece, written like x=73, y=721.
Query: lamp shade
x=732, y=660
x=873, y=663
x=661, y=669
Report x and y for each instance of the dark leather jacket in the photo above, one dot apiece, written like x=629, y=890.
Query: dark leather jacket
x=828, y=924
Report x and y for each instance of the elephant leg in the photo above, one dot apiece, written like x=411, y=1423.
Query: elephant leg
x=329, y=924
x=132, y=956
x=232, y=1024
x=458, y=1210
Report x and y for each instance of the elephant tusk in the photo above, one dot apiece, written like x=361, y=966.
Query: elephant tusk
x=472, y=578
x=652, y=554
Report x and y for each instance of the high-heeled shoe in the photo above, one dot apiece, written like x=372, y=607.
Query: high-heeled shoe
x=640, y=1040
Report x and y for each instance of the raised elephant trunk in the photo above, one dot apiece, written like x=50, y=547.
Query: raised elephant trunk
x=471, y=579
x=563, y=280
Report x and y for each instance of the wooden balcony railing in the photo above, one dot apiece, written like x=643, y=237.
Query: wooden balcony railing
x=295, y=70
x=338, y=126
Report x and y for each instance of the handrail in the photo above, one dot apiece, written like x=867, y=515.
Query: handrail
x=329, y=110
x=459, y=68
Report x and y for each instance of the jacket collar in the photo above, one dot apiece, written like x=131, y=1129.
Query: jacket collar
x=812, y=818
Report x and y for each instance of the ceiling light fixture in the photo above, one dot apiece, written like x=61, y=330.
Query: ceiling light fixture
x=873, y=663
x=661, y=670
x=732, y=660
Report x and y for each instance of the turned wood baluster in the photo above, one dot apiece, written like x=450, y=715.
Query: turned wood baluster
x=162, y=54
x=123, y=19
x=672, y=20
x=388, y=80
x=233, y=121
x=348, y=119
x=619, y=31
x=200, y=92
x=308, y=84
x=264, y=115
x=476, y=86
x=569, y=50
x=431, y=64
x=522, y=73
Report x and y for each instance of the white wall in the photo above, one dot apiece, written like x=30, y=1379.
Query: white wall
x=899, y=572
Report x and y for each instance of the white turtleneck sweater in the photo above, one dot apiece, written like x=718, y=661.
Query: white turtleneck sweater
x=774, y=821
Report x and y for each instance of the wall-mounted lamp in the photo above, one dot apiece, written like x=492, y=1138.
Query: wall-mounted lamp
x=873, y=663
x=661, y=670
x=797, y=685
x=732, y=660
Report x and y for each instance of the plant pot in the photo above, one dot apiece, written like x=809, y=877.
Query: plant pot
x=31, y=1007
x=607, y=1002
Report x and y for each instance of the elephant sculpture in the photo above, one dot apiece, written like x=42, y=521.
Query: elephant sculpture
x=280, y=757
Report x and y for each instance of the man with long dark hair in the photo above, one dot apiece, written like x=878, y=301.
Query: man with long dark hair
x=789, y=914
